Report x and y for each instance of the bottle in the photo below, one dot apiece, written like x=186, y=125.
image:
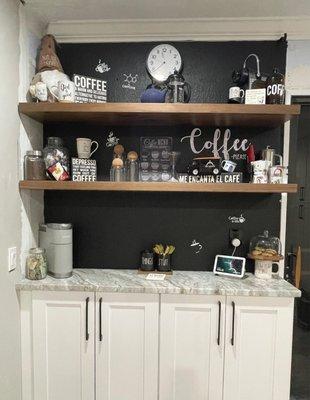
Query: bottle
x=275, y=88
x=117, y=172
x=132, y=167
x=258, y=84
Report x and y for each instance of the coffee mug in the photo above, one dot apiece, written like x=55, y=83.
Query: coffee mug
x=277, y=174
x=39, y=91
x=84, y=147
x=64, y=92
x=228, y=166
x=260, y=166
x=236, y=94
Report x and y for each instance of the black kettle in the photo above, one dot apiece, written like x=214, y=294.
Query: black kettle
x=178, y=91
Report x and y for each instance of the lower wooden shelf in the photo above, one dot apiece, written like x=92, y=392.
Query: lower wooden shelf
x=160, y=187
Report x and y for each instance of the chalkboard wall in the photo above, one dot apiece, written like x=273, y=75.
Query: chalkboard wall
x=111, y=228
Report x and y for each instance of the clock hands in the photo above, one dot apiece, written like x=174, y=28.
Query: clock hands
x=159, y=66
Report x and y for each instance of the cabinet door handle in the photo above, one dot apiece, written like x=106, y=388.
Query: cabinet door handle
x=232, y=340
x=100, y=319
x=86, y=325
x=300, y=211
x=301, y=193
x=219, y=324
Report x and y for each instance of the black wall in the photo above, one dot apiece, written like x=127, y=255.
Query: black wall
x=112, y=228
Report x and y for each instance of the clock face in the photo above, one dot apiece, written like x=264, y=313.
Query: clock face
x=163, y=61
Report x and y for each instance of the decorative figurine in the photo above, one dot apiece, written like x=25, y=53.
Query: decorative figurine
x=49, y=72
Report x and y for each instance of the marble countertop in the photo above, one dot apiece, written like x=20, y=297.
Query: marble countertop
x=181, y=282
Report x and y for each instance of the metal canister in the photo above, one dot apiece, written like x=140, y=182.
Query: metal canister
x=147, y=260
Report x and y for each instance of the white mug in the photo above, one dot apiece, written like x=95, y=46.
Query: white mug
x=277, y=174
x=84, y=147
x=260, y=166
x=65, y=91
x=39, y=91
x=236, y=94
x=228, y=166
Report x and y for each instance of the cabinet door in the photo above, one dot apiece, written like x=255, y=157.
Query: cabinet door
x=258, y=348
x=127, y=346
x=63, y=345
x=191, y=347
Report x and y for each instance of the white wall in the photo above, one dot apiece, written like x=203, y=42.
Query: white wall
x=10, y=205
x=298, y=65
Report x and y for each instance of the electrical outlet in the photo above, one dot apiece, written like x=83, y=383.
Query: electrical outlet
x=12, y=255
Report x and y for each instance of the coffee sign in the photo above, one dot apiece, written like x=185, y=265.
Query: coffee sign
x=84, y=170
x=89, y=90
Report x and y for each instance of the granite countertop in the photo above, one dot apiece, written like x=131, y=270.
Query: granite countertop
x=181, y=282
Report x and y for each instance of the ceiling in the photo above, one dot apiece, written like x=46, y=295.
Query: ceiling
x=60, y=10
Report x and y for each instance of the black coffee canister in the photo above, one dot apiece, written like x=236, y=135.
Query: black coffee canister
x=147, y=260
x=164, y=263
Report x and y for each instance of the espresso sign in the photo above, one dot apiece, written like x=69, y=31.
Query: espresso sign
x=84, y=170
x=89, y=90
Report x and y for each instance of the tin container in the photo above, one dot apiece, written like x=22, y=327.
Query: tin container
x=147, y=260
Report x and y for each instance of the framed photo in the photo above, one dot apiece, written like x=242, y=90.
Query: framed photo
x=229, y=266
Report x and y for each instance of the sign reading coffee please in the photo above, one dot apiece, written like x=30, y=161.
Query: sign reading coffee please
x=89, y=90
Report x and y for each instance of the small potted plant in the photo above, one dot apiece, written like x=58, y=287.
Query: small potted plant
x=163, y=257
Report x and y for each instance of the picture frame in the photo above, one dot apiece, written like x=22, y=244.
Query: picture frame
x=229, y=266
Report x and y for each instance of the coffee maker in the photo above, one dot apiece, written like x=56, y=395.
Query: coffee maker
x=56, y=239
x=248, y=78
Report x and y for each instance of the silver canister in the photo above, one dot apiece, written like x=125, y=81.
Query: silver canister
x=269, y=154
x=56, y=239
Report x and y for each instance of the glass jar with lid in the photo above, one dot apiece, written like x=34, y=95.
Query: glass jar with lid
x=265, y=247
x=55, y=152
x=34, y=165
x=36, y=264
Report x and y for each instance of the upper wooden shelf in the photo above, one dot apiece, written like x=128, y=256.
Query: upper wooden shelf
x=160, y=187
x=226, y=115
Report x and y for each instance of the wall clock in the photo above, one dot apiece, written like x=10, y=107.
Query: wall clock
x=162, y=61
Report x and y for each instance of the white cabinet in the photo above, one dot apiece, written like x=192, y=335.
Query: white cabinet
x=191, y=347
x=132, y=346
x=258, y=348
x=63, y=345
x=127, y=346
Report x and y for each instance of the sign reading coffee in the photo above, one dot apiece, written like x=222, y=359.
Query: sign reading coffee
x=84, y=170
x=89, y=90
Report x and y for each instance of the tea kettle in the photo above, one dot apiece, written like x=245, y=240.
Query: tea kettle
x=178, y=91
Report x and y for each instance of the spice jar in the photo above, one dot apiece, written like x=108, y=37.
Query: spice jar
x=55, y=153
x=34, y=165
x=36, y=264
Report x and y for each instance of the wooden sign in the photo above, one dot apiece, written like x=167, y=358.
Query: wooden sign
x=84, y=170
x=89, y=90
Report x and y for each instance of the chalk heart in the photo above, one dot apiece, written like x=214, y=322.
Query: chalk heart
x=220, y=146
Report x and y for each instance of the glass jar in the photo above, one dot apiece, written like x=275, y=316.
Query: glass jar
x=117, y=171
x=265, y=247
x=36, y=264
x=132, y=167
x=55, y=152
x=34, y=165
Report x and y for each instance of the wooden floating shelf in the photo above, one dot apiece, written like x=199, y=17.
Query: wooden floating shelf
x=195, y=114
x=160, y=187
